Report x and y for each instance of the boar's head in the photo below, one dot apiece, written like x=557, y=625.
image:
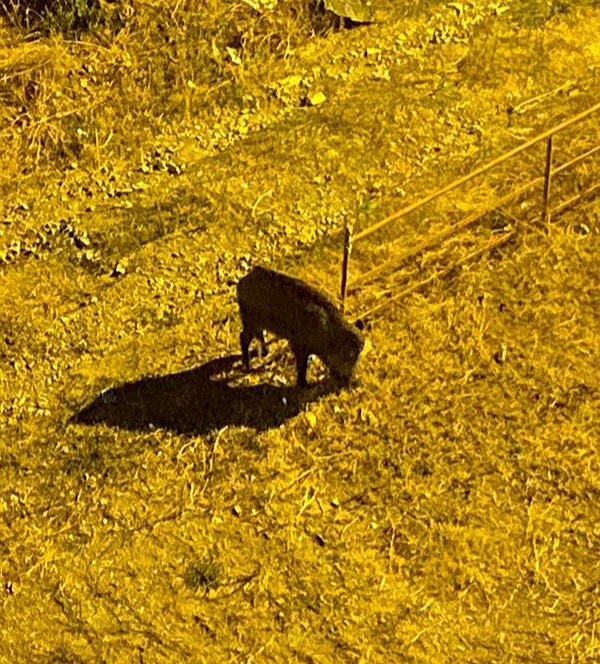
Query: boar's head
x=344, y=351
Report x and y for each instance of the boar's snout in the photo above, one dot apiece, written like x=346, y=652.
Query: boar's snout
x=344, y=356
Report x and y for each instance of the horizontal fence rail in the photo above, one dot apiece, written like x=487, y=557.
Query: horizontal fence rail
x=479, y=171
x=491, y=244
x=350, y=286
x=571, y=201
x=433, y=240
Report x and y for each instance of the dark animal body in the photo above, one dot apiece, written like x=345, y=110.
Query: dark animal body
x=292, y=309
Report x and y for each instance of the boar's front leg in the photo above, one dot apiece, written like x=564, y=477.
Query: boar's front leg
x=301, y=355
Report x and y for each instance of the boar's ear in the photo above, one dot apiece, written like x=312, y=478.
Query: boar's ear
x=360, y=324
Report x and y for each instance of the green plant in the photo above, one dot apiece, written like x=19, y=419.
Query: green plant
x=68, y=17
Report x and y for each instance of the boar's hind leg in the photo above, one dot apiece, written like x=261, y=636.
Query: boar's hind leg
x=301, y=355
x=264, y=349
x=246, y=337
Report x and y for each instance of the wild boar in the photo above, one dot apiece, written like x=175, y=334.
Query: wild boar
x=292, y=309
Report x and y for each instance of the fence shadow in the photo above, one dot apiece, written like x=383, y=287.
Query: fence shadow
x=198, y=401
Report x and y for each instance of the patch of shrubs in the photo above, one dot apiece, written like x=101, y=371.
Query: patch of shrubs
x=68, y=17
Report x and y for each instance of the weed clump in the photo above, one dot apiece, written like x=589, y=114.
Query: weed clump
x=70, y=18
x=204, y=574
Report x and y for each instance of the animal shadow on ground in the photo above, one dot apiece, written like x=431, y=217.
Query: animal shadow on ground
x=199, y=400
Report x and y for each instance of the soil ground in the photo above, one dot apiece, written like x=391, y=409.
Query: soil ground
x=158, y=504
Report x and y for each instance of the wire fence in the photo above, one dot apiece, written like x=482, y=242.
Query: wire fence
x=550, y=172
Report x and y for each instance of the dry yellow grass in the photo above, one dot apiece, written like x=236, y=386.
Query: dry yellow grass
x=445, y=509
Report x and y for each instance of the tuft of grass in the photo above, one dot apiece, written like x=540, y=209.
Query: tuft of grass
x=535, y=13
x=204, y=574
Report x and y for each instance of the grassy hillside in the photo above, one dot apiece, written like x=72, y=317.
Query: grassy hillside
x=157, y=503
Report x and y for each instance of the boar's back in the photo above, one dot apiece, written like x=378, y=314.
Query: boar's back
x=287, y=306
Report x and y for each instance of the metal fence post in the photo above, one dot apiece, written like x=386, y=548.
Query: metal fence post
x=547, y=178
x=345, y=262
